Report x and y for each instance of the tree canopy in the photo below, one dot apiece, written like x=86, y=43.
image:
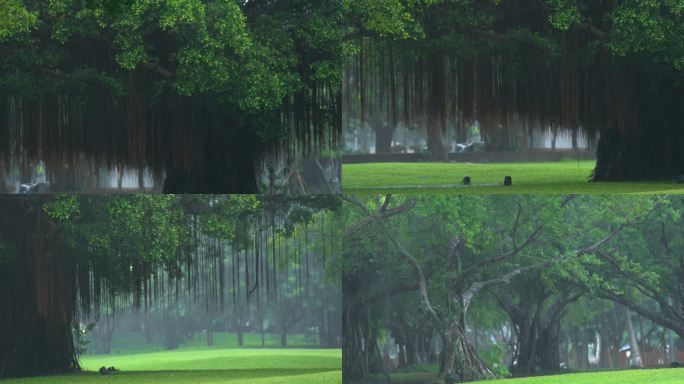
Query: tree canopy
x=71, y=258
x=415, y=265
x=214, y=89
x=609, y=68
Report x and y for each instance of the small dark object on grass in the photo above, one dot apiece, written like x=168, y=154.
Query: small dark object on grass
x=675, y=364
x=466, y=180
x=508, y=181
x=107, y=371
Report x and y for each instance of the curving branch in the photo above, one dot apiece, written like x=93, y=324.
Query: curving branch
x=676, y=325
x=477, y=286
x=422, y=281
x=383, y=213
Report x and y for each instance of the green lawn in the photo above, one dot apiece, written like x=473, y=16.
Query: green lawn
x=547, y=178
x=645, y=376
x=235, y=366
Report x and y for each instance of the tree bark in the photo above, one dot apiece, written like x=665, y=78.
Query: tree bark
x=37, y=295
x=635, y=353
x=644, y=141
x=383, y=140
x=436, y=108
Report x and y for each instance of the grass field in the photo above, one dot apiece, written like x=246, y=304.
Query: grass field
x=644, y=376
x=196, y=364
x=547, y=178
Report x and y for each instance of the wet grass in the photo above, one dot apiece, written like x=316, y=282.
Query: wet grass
x=238, y=366
x=528, y=178
x=642, y=376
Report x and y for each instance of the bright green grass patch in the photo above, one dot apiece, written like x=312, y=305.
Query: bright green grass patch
x=193, y=377
x=238, y=366
x=254, y=359
x=644, y=376
x=660, y=376
x=547, y=178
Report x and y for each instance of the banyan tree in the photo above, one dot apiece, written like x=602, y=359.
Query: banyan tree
x=204, y=95
x=609, y=69
x=64, y=260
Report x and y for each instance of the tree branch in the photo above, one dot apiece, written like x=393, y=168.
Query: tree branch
x=505, y=279
x=158, y=69
x=422, y=282
x=676, y=326
x=495, y=259
x=407, y=205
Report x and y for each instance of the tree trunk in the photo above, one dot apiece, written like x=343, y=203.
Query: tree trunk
x=386, y=363
x=459, y=360
x=646, y=156
x=538, y=350
x=582, y=351
x=606, y=355
x=119, y=177
x=37, y=295
x=240, y=338
x=635, y=354
x=436, y=108
x=283, y=337
x=210, y=334
x=383, y=139
x=262, y=331
x=210, y=337
x=645, y=138
x=354, y=342
x=141, y=178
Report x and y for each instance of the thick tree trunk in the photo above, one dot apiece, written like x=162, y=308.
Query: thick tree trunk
x=606, y=355
x=645, y=140
x=580, y=343
x=538, y=350
x=354, y=365
x=459, y=360
x=37, y=295
x=383, y=138
x=641, y=156
x=436, y=108
x=352, y=346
